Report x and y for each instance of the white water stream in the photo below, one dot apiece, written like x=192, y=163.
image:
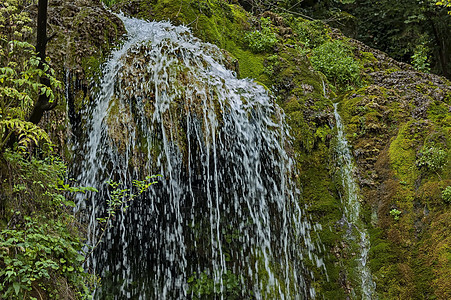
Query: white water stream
x=351, y=205
x=225, y=215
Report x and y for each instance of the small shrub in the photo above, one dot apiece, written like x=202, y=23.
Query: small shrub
x=262, y=40
x=335, y=60
x=432, y=159
x=446, y=194
x=420, y=58
x=310, y=33
x=202, y=286
x=41, y=245
x=36, y=257
x=395, y=213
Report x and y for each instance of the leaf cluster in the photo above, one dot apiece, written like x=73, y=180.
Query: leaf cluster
x=40, y=246
x=203, y=286
x=399, y=27
x=395, y=214
x=36, y=256
x=431, y=159
x=336, y=60
x=420, y=60
x=21, y=77
x=446, y=194
x=262, y=40
x=119, y=200
x=445, y=3
x=120, y=197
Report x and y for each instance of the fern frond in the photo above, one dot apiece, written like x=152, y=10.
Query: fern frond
x=27, y=132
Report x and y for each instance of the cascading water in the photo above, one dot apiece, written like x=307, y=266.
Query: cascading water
x=351, y=204
x=224, y=220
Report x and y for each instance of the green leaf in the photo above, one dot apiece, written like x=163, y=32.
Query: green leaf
x=16, y=286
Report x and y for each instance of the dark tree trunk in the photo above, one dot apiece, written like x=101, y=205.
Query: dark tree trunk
x=41, y=41
x=43, y=104
x=441, y=42
x=441, y=51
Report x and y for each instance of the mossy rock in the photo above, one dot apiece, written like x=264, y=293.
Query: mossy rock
x=390, y=124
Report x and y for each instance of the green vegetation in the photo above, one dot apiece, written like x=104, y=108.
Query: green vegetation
x=445, y=3
x=406, y=153
x=119, y=200
x=41, y=259
x=446, y=194
x=262, y=40
x=420, y=59
x=397, y=123
x=336, y=61
x=20, y=79
x=432, y=159
x=406, y=30
x=40, y=243
x=109, y=3
x=203, y=286
x=395, y=214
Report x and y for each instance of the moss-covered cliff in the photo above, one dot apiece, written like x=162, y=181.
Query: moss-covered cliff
x=397, y=121
x=399, y=126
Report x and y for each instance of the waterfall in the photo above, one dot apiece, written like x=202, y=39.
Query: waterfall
x=351, y=203
x=223, y=221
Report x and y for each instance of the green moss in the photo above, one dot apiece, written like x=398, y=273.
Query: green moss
x=438, y=112
x=391, y=70
x=213, y=21
x=367, y=57
x=91, y=66
x=216, y=22
x=402, y=155
x=251, y=65
x=119, y=120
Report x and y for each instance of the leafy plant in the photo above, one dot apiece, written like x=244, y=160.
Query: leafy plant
x=395, y=213
x=40, y=239
x=311, y=34
x=40, y=248
x=445, y=3
x=35, y=256
x=203, y=286
x=446, y=194
x=262, y=40
x=420, y=59
x=335, y=60
x=432, y=159
x=119, y=200
x=20, y=77
x=109, y=3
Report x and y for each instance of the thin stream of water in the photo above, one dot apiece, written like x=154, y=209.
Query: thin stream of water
x=351, y=205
